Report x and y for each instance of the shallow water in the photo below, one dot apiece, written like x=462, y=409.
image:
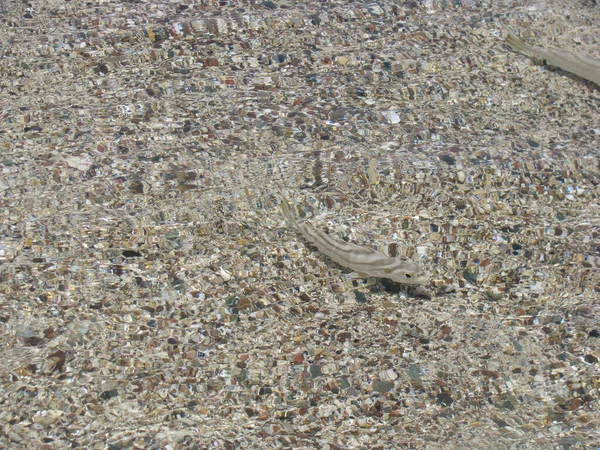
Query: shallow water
x=156, y=296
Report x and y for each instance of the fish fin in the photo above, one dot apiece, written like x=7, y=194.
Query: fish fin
x=354, y=275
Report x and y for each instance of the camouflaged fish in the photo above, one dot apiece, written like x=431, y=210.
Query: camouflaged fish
x=365, y=261
x=577, y=63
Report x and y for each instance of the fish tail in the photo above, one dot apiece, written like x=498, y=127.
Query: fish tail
x=520, y=45
x=517, y=43
x=287, y=209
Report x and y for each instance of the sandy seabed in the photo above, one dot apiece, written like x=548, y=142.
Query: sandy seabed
x=153, y=297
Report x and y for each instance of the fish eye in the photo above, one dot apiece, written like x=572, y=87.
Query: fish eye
x=408, y=275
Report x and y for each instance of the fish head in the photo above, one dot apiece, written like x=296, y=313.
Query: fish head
x=408, y=273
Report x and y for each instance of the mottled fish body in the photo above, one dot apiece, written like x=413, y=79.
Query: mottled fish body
x=363, y=260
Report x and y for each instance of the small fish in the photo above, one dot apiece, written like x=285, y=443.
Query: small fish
x=365, y=261
x=577, y=63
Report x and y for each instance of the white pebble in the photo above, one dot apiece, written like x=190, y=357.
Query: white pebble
x=225, y=275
